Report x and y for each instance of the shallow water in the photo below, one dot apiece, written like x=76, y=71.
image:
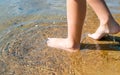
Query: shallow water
x=18, y=8
x=26, y=24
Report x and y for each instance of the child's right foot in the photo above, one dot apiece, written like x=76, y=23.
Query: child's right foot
x=110, y=28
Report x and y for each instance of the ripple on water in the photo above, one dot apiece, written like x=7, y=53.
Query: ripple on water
x=24, y=51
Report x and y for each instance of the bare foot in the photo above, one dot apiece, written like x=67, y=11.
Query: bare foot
x=110, y=28
x=63, y=43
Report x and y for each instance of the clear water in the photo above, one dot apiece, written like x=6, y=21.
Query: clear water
x=11, y=9
x=14, y=8
x=26, y=24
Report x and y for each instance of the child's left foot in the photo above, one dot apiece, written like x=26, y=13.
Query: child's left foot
x=64, y=44
x=110, y=28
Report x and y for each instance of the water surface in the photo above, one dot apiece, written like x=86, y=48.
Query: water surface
x=25, y=26
x=17, y=8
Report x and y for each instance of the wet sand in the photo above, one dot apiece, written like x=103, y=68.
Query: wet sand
x=24, y=52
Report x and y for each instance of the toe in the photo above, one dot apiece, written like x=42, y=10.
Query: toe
x=90, y=35
x=48, y=41
x=93, y=36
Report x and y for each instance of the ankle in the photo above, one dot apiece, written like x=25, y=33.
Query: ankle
x=72, y=44
x=106, y=20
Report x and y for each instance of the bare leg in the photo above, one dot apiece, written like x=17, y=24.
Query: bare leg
x=76, y=10
x=107, y=23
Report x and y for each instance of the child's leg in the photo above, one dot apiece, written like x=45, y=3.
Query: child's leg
x=76, y=10
x=107, y=23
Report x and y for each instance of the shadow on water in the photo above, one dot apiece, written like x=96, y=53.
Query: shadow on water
x=112, y=44
x=109, y=47
x=111, y=38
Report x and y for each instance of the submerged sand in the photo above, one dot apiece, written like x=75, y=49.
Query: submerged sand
x=24, y=52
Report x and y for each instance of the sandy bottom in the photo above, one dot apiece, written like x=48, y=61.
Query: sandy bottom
x=24, y=52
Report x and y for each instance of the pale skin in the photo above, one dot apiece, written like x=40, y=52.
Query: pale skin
x=76, y=11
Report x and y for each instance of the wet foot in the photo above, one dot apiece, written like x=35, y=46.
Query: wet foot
x=111, y=28
x=63, y=44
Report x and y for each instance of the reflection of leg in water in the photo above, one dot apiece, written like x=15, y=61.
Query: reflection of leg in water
x=107, y=23
x=76, y=10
